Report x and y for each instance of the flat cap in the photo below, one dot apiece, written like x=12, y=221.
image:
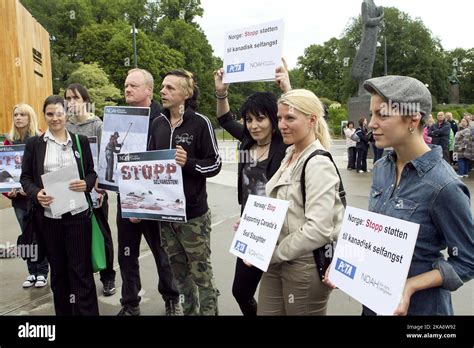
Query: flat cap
x=407, y=94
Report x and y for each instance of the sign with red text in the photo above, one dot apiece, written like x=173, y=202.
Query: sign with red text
x=11, y=157
x=151, y=186
x=253, y=53
x=258, y=231
x=372, y=258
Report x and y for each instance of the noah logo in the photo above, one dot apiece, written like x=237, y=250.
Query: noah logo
x=37, y=331
x=233, y=68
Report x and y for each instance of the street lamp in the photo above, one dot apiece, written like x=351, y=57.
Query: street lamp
x=134, y=31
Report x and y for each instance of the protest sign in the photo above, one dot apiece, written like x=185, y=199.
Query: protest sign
x=258, y=231
x=253, y=53
x=372, y=258
x=11, y=157
x=151, y=186
x=125, y=130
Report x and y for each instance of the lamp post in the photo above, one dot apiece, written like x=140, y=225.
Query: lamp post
x=385, y=56
x=134, y=35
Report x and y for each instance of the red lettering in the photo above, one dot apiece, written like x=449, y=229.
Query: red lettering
x=126, y=173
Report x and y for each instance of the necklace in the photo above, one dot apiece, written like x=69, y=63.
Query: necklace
x=263, y=153
x=264, y=144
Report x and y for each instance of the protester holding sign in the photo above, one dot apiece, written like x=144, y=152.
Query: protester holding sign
x=261, y=152
x=82, y=121
x=67, y=237
x=188, y=244
x=138, y=90
x=291, y=286
x=414, y=184
x=24, y=126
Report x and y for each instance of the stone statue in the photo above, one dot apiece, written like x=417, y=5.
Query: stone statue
x=453, y=78
x=363, y=64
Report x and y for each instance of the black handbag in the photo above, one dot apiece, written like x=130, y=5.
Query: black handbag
x=30, y=245
x=323, y=255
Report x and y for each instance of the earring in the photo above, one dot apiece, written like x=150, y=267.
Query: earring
x=412, y=130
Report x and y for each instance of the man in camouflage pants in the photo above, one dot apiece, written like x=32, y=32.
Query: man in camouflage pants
x=188, y=245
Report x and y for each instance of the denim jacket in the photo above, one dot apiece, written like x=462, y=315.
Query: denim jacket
x=429, y=194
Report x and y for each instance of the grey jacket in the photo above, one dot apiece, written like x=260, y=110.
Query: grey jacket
x=92, y=127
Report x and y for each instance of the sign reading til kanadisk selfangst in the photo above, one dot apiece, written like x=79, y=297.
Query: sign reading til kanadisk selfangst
x=372, y=258
x=253, y=53
x=259, y=228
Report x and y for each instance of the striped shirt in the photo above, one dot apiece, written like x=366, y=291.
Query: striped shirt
x=58, y=155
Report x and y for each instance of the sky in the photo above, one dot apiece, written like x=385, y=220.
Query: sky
x=310, y=22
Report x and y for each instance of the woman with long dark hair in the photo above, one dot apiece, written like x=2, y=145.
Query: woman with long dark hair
x=260, y=155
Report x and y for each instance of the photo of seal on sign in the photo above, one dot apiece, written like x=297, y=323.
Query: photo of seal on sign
x=253, y=53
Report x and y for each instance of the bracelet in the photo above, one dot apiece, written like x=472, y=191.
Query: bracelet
x=221, y=96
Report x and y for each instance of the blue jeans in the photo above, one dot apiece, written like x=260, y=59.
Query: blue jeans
x=463, y=164
x=34, y=268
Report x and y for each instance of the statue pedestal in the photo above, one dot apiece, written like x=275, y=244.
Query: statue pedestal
x=453, y=94
x=358, y=107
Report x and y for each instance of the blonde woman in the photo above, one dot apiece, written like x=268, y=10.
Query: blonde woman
x=291, y=286
x=24, y=126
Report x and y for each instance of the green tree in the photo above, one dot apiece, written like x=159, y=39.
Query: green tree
x=186, y=10
x=411, y=50
x=191, y=41
x=101, y=90
x=110, y=45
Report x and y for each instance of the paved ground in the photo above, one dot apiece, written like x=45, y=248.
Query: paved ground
x=223, y=201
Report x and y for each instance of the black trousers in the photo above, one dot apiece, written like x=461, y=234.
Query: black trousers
x=129, y=238
x=108, y=273
x=245, y=284
x=68, y=248
x=352, y=154
x=362, y=158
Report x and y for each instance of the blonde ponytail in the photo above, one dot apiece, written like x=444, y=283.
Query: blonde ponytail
x=309, y=104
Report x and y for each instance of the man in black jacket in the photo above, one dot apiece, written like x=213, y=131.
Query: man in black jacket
x=180, y=127
x=139, y=92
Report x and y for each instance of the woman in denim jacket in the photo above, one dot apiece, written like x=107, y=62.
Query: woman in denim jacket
x=414, y=184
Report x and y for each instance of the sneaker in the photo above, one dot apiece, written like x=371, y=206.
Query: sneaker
x=128, y=311
x=173, y=309
x=109, y=287
x=29, y=282
x=40, y=281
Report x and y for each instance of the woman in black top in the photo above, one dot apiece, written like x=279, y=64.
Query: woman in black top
x=260, y=154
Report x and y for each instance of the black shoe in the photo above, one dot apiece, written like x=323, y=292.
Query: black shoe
x=173, y=308
x=109, y=287
x=128, y=311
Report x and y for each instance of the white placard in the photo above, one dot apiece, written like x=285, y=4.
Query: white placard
x=372, y=258
x=125, y=130
x=11, y=157
x=259, y=228
x=56, y=184
x=253, y=53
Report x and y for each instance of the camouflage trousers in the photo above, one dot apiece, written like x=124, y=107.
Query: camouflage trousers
x=188, y=246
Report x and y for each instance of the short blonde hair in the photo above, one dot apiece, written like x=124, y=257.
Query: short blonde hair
x=309, y=104
x=149, y=82
x=24, y=108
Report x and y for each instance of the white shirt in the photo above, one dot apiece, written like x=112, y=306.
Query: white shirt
x=348, y=133
x=58, y=155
